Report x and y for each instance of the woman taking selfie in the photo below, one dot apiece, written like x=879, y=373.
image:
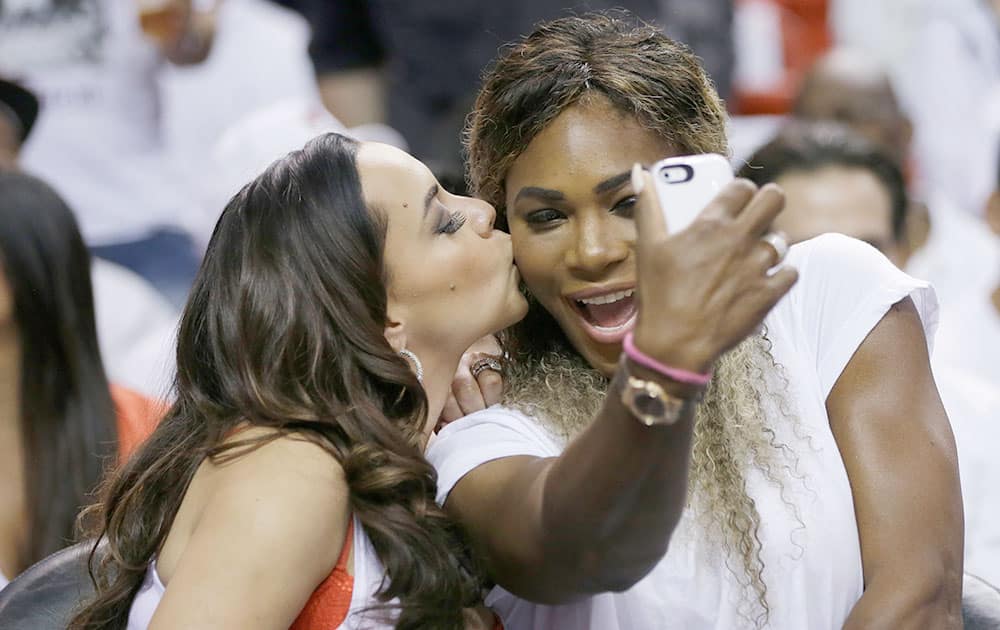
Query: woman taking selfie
x=824, y=490
x=287, y=486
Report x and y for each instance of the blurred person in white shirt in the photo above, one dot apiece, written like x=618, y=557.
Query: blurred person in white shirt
x=837, y=181
x=95, y=66
x=851, y=88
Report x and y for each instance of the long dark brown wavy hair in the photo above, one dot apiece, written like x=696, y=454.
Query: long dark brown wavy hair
x=67, y=418
x=660, y=83
x=284, y=329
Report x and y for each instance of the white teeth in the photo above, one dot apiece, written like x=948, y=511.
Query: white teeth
x=609, y=298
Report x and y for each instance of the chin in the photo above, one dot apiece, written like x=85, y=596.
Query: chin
x=601, y=357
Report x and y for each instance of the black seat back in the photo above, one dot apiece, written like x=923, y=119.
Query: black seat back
x=45, y=596
x=980, y=604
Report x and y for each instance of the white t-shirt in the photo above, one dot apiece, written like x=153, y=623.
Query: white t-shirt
x=97, y=139
x=970, y=337
x=973, y=406
x=813, y=568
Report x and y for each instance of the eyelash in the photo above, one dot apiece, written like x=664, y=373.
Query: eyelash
x=455, y=221
x=536, y=218
x=628, y=203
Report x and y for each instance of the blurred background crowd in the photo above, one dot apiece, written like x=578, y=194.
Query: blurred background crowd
x=880, y=118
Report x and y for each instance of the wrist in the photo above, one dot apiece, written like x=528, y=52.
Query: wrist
x=679, y=353
x=672, y=372
x=627, y=368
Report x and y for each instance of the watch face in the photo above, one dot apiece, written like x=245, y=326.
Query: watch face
x=648, y=404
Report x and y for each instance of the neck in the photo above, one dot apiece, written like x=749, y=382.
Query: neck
x=10, y=387
x=439, y=372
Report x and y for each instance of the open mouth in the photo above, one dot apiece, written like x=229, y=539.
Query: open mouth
x=607, y=317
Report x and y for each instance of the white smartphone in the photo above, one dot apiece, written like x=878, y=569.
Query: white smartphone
x=687, y=183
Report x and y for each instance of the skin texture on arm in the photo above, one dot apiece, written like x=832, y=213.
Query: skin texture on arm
x=900, y=456
x=269, y=534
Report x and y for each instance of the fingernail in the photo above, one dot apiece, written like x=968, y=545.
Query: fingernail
x=638, y=182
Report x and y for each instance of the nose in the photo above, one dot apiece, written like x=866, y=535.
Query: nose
x=597, y=246
x=482, y=216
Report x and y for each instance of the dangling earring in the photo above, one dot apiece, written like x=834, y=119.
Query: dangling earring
x=417, y=366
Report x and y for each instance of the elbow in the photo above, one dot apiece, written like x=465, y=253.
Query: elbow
x=616, y=570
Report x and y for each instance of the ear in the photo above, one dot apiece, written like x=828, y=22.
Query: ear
x=917, y=227
x=395, y=332
x=993, y=212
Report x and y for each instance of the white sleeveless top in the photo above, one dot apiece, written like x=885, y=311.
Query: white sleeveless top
x=368, y=574
x=813, y=565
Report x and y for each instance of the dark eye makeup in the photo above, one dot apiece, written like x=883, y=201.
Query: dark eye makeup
x=455, y=220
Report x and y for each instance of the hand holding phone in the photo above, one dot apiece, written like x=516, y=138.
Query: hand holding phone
x=704, y=286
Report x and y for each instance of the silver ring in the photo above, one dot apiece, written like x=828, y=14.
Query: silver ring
x=486, y=363
x=778, y=241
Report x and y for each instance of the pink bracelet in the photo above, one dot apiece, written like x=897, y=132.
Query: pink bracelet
x=675, y=374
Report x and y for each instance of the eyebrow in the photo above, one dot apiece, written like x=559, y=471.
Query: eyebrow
x=545, y=194
x=548, y=194
x=612, y=183
x=429, y=197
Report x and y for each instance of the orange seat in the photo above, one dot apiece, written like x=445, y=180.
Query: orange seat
x=137, y=417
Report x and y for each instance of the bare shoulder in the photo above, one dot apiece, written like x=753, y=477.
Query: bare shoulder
x=274, y=514
x=289, y=489
x=289, y=471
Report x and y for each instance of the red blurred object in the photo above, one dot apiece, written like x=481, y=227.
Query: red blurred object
x=805, y=36
x=137, y=417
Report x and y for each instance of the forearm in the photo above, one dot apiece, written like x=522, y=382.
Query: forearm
x=612, y=500
x=909, y=602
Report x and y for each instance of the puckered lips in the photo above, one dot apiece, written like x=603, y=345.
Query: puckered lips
x=607, y=313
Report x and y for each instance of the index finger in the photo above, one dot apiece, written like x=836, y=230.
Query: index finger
x=650, y=222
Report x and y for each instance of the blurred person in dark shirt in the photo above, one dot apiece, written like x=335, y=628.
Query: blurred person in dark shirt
x=416, y=65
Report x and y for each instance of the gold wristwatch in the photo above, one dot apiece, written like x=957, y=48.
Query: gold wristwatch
x=649, y=402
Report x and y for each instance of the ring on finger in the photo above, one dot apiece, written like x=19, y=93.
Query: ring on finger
x=777, y=241
x=486, y=363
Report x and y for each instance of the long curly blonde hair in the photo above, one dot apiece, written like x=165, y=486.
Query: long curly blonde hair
x=662, y=84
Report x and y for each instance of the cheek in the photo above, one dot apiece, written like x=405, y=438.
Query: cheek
x=538, y=258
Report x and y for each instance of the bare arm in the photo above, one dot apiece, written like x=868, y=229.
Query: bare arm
x=600, y=516
x=899, y=451
x=269, y=535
